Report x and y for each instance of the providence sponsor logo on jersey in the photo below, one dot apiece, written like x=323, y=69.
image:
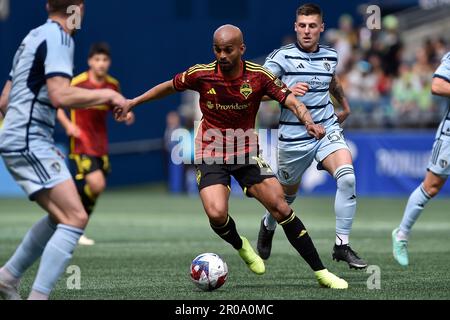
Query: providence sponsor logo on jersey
x=224, y=107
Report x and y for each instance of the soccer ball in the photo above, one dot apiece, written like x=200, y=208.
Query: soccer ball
x=209, y=271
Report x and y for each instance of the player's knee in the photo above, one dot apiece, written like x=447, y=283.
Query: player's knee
x=217, y=213
x=346, y=182
x=97, y=187
x=433, y=189
x=78, y=218
x=280, y=209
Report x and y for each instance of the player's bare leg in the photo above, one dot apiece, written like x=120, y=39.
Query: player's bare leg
x=94, y=187
x=417, y=201
x=269, y=223
x=54, y=238
x=270, y=194
x=340, y=165
x=215, y=202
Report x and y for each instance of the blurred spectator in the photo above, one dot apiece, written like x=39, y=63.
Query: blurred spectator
x=361, y=90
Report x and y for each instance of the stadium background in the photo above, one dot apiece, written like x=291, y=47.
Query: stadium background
x=151, y=43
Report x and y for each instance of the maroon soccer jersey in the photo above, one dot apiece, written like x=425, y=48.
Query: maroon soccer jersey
x=229, y=107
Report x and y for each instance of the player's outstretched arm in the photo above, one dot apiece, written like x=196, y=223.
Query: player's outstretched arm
x=337, y=92
x=157, y=92
x=299, y=109
x=62, y=95
x=4, y=98
x=440, y=87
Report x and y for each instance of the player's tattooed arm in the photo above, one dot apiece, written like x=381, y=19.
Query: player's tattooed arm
x=302, y=113
x=4, y=98
x=337, y=92
x=440, y=87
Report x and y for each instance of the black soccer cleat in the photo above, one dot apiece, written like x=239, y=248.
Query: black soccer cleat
x=264, y=245
x=345, y=253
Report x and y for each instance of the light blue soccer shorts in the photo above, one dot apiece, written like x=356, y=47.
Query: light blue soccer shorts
x=440, y=158
x=293, y=161
x=37, y=169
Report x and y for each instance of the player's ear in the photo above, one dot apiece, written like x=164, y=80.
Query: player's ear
x=243, y=48
x=322, y=27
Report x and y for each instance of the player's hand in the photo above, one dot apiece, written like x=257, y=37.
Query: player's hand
x=117, y=100
x=316, y=130
x=300, y=89
x=121, y=112
x=130, y=118
x=72, y=130
x=342, y=116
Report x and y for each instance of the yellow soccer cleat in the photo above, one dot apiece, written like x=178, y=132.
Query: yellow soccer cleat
x=328, y=280
x=253, y=261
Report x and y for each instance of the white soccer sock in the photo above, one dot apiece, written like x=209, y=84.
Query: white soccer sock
x=342, y=239
x=8, y=278
x=36, y=295
x=416, y=203
x=345, y=202
x=401, y=236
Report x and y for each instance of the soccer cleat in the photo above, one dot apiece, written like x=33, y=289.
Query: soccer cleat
x=327, y=279
x=9, y=292
x=264, y=245
x=85, y=241
x=253, y=261
x=345, y=253
x=400, y=249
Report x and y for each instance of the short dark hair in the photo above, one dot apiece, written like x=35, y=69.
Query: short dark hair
x=310, y=9
x=60, y=6
x=100, y=48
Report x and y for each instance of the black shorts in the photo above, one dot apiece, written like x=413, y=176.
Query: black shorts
x=246, y=175
x=83, y=164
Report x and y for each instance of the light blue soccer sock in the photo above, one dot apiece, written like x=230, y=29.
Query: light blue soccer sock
x=269, y=221
x=31, y=248
x=55, y=258
x=345, y=202
x=416, y=203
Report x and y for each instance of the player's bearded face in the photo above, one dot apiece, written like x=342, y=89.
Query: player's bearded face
x=308, y=29
x=228, y=56
x=99, y=64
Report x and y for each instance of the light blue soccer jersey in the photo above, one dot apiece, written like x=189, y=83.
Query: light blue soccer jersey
x=443, y=72
x=292, y=64
x=45, y=52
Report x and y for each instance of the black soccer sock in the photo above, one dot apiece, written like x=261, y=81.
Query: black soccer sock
x=87, y=197
x=229, y=233
x=301, y=241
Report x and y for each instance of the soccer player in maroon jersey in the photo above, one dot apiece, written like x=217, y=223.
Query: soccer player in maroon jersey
x=88, y=132
x=230, y=94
